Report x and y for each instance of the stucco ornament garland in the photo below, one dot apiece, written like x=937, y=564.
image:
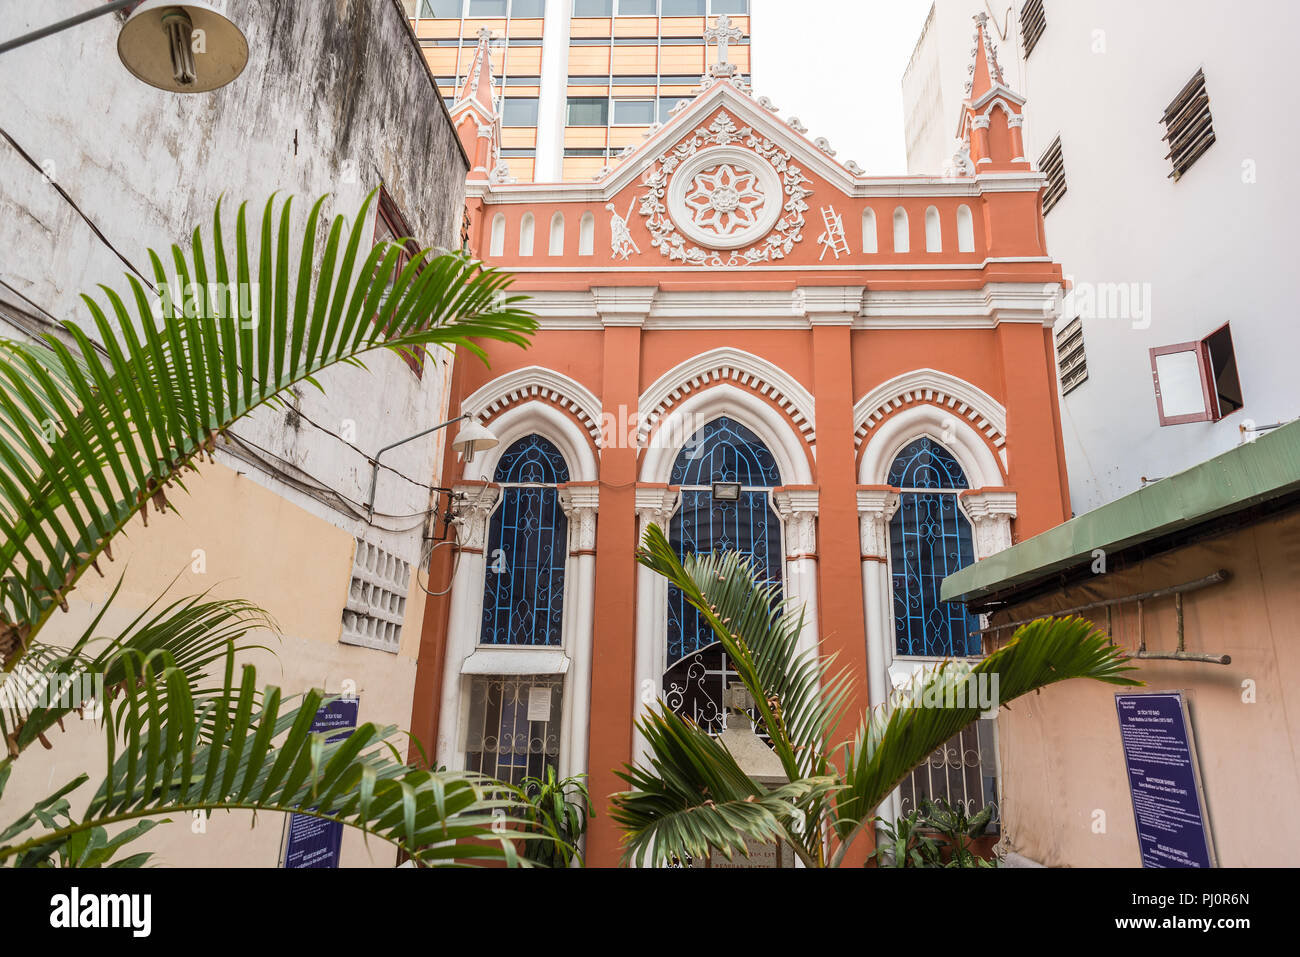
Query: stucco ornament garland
x=747, y=204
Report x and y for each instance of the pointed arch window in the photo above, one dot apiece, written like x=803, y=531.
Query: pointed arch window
x=723, y=451
x=929, y=539
x=523, y=591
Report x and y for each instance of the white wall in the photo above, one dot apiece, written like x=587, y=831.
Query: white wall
x=934, y=81
x=1205, y=250
x=335, y=99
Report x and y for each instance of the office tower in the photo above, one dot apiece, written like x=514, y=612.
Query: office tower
x=579, y=80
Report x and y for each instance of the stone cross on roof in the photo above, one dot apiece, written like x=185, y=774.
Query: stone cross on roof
x=723, y=32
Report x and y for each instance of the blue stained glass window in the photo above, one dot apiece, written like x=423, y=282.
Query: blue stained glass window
x=725, y=451
x=523, y=592
x=722, y=451
x=929, y=539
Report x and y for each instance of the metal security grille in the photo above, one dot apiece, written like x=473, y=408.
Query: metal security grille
x=1033, y=21
x=523, y=590
x=1071, y=361
x=962, y=772
x=502, y=740
x=929, y=539
x=1189, y=128
x=723, y=451
x=1052, y=165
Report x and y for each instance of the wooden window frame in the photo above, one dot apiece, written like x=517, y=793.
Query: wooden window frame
x=1211, y=413
x=389, y=217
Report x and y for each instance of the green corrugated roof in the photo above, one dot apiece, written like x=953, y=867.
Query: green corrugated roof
x=1253, y=473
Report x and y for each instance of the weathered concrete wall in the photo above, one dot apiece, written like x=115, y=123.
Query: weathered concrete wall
x=1061, y=756
x=335, y=99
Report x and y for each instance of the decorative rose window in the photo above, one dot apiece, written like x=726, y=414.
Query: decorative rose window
x=724, y=197
x=724, y=200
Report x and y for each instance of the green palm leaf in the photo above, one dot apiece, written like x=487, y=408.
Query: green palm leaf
x=686, y=799
x=93, y=432
x=52, y=682
x=694, y=798
x=260, y=755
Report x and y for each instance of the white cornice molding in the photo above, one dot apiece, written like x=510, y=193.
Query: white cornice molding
x=982, y=308
x=727, y=364
x=536, y=382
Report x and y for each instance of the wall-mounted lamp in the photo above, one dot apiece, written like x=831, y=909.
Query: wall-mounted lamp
x=472, y=438
x=726, y=491
x=159, y=41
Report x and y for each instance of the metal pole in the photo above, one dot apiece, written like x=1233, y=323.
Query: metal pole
x=374, y=463
x=26, y=38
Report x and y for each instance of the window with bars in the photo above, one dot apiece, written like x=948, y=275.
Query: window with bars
x=1033, y=21
x=523, y=590
x=376, y=605
x=962, y=772
x=929, y=539
x=1189, y=128
x=724, y=451
x=1052, y=165
x=513, y=726
x=1071, y=360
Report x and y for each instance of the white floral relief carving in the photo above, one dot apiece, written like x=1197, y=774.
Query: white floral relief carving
x=724, y=199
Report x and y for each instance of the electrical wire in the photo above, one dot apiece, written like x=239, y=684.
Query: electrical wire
x=149, y=287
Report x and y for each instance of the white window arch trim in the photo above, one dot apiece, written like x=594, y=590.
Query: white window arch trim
x=579, y=498
x=987, y=505
x=656, y=502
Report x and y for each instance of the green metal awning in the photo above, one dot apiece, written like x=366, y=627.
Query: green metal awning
x=1252, y=474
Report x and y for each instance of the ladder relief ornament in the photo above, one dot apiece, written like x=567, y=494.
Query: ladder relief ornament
x=731, y=191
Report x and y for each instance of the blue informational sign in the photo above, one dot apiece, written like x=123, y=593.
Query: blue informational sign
x=1164, y=780
x=312, y=842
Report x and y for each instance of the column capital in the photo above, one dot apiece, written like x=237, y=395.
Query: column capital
x=580, y=503
x=991, y=511
x=876, y=506
x=655, y=504
x=472, y=503
x=798, y=507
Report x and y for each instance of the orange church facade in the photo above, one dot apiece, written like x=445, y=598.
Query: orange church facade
x=756, y=346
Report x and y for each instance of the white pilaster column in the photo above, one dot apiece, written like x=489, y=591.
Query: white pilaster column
x=463, y=622
x=579, y=503
x=798, y=510
x=654, y=505
x=875, y=508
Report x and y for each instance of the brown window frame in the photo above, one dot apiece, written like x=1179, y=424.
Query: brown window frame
x=1209, y=388
x=389, y=217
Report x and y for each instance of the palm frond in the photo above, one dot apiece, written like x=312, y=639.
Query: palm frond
x=50, y=683
x=264, y=757
x=694, y=798
x=93, y=433
x=902, y=733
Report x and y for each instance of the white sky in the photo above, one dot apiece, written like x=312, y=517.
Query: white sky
x=855, y=49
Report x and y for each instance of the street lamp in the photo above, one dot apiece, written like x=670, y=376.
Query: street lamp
x=159, y=41
x=473, y=438
x=160, y=38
